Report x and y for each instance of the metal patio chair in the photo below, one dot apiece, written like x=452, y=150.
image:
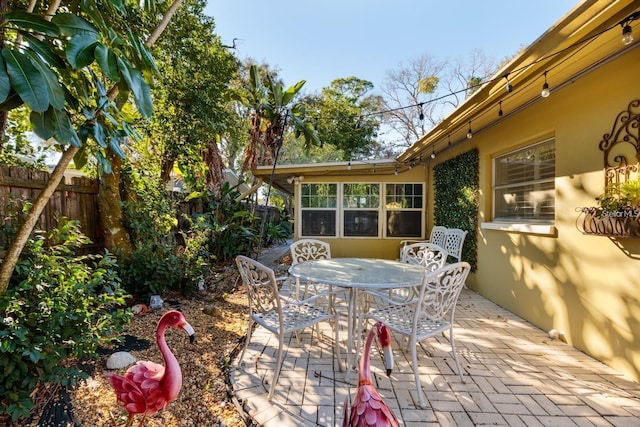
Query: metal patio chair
x=430, y=314
x=428, y=255
x=453, y=242
x=277, y=315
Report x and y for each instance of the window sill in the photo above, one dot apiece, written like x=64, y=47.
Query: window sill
x=540, y=229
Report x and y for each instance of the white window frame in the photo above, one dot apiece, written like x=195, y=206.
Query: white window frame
x=422, y=211
x=336, y=210
x=382, y=210
x=520, y=224
x=378, y=209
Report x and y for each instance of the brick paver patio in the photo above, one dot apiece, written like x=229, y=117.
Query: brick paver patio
x=515, y=375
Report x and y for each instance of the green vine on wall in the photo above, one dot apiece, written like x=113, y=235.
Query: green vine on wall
x=456, y=189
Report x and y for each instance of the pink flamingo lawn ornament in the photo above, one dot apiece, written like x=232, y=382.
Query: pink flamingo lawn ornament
x=148, y=387
x=368, y=408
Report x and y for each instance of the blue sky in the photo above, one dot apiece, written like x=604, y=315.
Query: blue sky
x=328, y=39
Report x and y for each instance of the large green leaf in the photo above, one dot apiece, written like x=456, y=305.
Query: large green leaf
x=139, y=88
x=41, y=125
x=292, y=91
x=80, y=50
x=107, y=62
x=142, y=52
x=99, y=134
x=44, y=50
x=5, y=84
x=114, y=144
x=33, y=22
x=71, y=24
x=80, y=158
x=56, y=94
x=26, y=79
x=63, y=128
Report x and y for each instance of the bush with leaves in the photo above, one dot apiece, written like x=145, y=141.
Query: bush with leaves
x=233, y=226
x=59, y=307
x=153, y=267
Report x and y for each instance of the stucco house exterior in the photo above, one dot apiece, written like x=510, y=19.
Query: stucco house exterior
x=540, y=161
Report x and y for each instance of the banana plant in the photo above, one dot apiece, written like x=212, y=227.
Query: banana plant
x=271, y=106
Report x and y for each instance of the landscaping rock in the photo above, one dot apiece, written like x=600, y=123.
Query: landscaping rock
x=120, y=359
x=212, y=310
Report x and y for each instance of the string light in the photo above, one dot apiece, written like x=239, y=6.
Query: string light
x=449, y=140
x=500, y=113
x=469, y=132
x=349, y=166
x=395, y=172
x=508, y=86
x=627, y=33
x=433, y=153
x=545, y=87
x=421, y=112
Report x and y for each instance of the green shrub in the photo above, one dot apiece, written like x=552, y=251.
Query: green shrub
x=233, y=226
x=153, y=267
x=150, y=269
x=58, y=307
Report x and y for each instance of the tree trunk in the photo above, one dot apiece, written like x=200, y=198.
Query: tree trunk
x=116, y=238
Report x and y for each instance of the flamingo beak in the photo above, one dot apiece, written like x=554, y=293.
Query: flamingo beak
x=189, y=330
x=385, y=342
x=388, y=359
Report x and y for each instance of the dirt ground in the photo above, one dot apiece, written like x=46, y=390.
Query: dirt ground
x=219, y=317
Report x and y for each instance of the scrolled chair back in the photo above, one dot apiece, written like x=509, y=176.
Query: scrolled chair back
x=440, y=291
x=260, y=283
x=309, y=249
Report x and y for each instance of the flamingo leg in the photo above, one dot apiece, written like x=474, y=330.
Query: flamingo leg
x=144, y=417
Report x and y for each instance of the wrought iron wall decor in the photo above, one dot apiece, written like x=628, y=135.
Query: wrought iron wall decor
x=621, y=152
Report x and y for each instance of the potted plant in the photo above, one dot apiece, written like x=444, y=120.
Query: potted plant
x=618, y=211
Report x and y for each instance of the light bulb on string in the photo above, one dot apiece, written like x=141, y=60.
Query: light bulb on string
x=500, y=113
x=627, y=34
x=508, y=86
x=349, y=166
x=433, y=153
x=469, y=132
x=545, y=87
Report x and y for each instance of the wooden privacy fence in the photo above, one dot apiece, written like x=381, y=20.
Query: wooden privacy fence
x=77, y=200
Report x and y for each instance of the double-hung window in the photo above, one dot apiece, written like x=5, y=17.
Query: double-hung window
x=524, y=184
x=404, y=206
x=319, y=209
x=361, y=209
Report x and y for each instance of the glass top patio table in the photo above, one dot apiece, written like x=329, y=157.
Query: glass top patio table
x=357, y=274
x=362, y=273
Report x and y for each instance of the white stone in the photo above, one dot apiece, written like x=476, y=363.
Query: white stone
x=120, y=359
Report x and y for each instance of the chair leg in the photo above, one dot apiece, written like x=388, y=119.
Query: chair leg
x=276, y=372
x=246, y=341
x=455, y=353
x=416, y=374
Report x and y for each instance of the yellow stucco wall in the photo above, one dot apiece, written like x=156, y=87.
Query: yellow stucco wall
x=587, y=286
